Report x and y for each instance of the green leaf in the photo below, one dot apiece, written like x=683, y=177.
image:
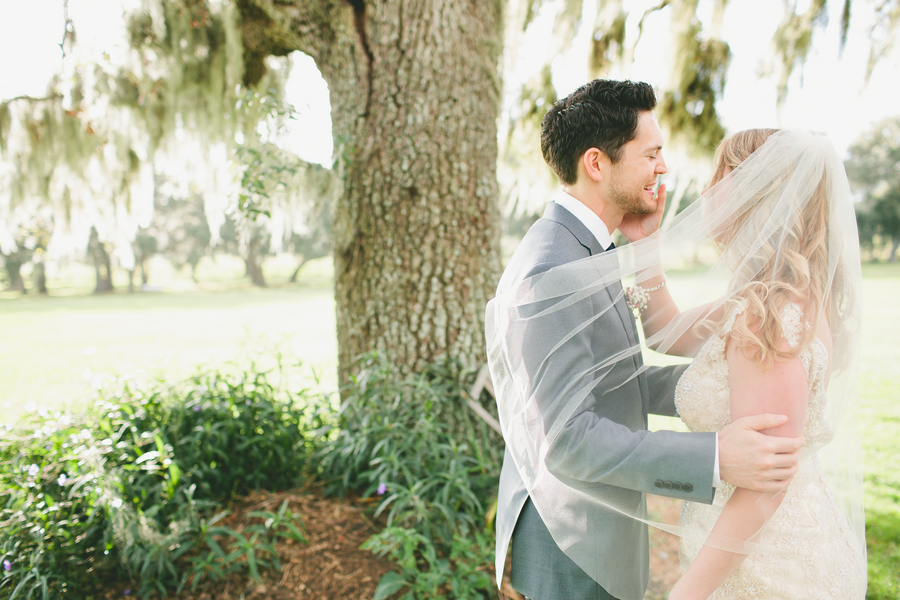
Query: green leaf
x=389, y=585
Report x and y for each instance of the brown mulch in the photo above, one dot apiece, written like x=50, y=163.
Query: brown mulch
x=332, y=567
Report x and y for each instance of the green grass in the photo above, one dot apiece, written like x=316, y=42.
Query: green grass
x=53, y=349
x=880, y=420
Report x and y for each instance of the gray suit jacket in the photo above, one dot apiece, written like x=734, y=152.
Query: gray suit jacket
x=606, y=443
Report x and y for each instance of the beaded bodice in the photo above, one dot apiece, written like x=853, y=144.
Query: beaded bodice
x=702, y=396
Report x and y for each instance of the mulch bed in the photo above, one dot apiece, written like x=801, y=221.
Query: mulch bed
x=332, y=567
x=329, y=566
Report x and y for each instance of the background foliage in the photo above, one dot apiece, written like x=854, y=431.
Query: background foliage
x=133, y=490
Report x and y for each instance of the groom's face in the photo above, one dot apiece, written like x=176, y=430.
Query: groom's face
x=632, y=182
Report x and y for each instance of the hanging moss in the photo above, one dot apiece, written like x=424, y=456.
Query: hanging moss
x=793, y=39
x=104, y=122
x=688, y=108
x=608, y=44
x=189, y=70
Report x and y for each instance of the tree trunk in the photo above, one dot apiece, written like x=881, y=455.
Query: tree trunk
x=13, y=264
x=415, y=93
x=254, y=271
x=296, y=272
x=895, y=243
x=102, y=263
x=40, y=278
x=253, y=261
x=145, y=275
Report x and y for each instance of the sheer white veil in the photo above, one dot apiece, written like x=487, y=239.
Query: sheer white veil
x=780, y=225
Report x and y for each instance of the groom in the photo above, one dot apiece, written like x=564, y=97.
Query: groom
x=605, y=145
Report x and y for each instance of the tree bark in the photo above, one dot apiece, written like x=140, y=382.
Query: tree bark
x=415, y=93
x=40, y=278
x=300, y=264
x=13, y=265
x=145, y=275
x=253, y=261
x=102, y=263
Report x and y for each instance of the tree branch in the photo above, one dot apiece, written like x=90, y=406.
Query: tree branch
x=32, y=99
x=279, y=27
x=68, y=28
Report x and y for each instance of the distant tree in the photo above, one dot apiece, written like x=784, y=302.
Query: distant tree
x=315, y=241
x=12, y=265
x=98, y=254
x=251, y=241
x=181, y=229
x=874, y=170
x=303, y=216
x=145, y=245
x=30, y=246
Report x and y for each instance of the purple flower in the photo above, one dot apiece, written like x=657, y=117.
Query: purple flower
x=127, y=592
x=33, y=470
x=196, y=408
x=382, y=488
x=7, y=566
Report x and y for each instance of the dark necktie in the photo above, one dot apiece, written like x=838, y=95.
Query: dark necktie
x=612, y=246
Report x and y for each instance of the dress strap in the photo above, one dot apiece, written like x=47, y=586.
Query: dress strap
x=792, y=323
x=736, y=309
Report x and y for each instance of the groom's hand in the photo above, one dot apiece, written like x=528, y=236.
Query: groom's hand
x=754, y=460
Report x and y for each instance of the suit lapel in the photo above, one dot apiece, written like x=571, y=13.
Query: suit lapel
x=557, y=213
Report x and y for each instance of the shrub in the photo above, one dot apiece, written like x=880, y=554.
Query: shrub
x=435, y=464
x=133, y=489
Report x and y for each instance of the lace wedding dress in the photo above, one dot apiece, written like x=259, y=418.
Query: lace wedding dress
x=810, y=550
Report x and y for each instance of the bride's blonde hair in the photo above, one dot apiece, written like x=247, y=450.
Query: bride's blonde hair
x=792, y=268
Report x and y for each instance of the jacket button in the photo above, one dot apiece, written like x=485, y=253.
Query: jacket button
x=667, y=485
x=676, y=486
x=658, y=483
x=687, y=488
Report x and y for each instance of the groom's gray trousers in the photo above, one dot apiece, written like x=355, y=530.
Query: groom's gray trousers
x=611, y=424
x=540, y=570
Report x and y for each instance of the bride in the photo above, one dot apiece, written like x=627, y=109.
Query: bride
x=773, y=345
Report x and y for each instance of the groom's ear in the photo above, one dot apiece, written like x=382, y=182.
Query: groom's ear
x=595, y=164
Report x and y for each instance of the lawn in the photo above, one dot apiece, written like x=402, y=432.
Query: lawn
x=54, y=349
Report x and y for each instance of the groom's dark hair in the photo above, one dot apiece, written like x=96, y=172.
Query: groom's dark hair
x=602, y=114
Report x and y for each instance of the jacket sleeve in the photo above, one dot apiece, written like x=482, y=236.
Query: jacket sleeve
x=592, y=413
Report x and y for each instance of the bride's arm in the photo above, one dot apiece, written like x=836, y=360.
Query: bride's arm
x=661, y=309
x=661, y=312
x=781, y=389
